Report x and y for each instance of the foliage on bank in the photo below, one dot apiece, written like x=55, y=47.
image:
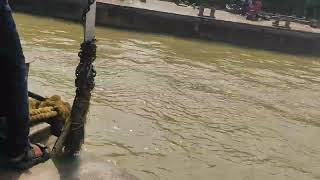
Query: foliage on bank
x=289, y=7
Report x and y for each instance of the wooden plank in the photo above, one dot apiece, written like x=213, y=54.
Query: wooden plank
x=40, y=132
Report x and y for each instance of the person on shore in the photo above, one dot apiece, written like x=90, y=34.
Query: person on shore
x=14, y=96
x=254, y=10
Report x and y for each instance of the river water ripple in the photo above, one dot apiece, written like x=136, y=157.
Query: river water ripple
x=168, y=108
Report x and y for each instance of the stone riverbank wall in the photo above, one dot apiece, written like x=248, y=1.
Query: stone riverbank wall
x=246, y=35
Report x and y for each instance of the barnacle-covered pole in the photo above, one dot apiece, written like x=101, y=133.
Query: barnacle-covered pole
x=72, y=136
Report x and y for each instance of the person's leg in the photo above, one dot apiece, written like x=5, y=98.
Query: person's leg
x=14, y=69
x=22, y=154
x=18, y=112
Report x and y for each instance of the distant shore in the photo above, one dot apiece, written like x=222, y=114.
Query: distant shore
x=166, y=18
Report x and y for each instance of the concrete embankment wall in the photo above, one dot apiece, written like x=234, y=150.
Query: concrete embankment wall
x=66, y=9
x=180, y=25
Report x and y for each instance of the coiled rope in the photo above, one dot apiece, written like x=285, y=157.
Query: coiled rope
x=50, y=108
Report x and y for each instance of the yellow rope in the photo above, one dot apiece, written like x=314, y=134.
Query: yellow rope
x=40, y=111
x=43, y=116
x=52, y=107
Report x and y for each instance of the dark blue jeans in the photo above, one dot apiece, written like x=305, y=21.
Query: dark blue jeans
x=13, y=87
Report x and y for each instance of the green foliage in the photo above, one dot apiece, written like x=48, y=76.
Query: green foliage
x=202, y=2
x=292, y=7
x=313, y=3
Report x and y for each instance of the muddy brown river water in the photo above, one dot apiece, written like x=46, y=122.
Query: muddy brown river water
x=170, y=108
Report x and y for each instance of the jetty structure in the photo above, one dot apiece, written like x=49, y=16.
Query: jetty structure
x=167, y=18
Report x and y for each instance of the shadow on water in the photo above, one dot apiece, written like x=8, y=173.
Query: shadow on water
x=68, y=167
x=87, y=166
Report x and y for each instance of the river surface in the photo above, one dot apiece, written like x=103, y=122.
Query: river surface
x=170, y=108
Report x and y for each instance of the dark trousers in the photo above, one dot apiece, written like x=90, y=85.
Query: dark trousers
x=13, y=84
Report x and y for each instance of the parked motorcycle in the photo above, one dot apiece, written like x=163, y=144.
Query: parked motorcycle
x=237, y=7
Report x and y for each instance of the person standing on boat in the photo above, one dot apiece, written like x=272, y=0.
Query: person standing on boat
x=14, y=95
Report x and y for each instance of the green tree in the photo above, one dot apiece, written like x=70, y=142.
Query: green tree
x=313, y=3
x=288, y=7
x=273, y=5
x=202, y=2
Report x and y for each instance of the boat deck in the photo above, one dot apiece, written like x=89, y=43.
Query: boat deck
x=85, y=167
